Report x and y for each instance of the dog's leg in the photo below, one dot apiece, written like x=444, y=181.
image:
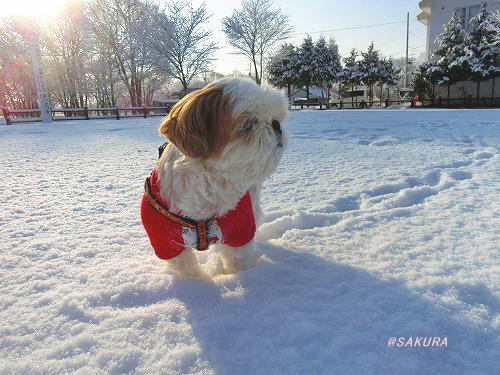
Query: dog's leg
x=186, y=264
x=236, y=259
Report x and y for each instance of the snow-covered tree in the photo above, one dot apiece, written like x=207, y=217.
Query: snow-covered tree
x=254, y=29
x=17, y=83
x=494, y=26
x=181, y=44
x=350, y=75
x=370, y=68
x=388, y=76
x=481, y=56
x=120, y=27
x=451, y=52
x=327, y=64
x=307, y=64
x=68, y=49
x=283, y=68
x=425, y=79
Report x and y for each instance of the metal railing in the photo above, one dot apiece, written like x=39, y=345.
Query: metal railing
x=13, y=116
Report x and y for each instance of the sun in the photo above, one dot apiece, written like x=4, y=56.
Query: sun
x=40, y=10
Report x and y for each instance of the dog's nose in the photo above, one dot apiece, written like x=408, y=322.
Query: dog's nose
x=276, y=126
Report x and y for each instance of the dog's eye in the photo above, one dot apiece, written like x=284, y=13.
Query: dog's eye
x=248, y=124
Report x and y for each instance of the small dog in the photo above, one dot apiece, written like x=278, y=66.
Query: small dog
x=224, y=141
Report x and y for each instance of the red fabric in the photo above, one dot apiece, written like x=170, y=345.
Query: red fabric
x=236, y=228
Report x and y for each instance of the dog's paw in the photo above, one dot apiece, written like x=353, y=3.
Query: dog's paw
x=237, y=264
x=198, y=275
x=214, y=266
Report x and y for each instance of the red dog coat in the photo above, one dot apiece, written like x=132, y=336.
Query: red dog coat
x=170, y=233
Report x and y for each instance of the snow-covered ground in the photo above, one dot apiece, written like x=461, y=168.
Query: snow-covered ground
x=378, y=224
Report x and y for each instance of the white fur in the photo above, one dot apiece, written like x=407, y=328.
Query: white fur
x=202, y=189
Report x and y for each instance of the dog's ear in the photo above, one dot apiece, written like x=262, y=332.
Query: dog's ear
x=200, y=123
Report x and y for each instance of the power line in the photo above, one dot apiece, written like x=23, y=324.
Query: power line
x=352, y=28
x=392, y=41
x=411, y=49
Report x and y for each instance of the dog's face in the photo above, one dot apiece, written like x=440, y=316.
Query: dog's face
x=233, y=123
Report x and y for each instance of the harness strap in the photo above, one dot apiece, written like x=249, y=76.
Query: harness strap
x=201, y=229
x=199, y=225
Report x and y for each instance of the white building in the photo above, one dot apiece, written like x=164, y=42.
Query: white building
x=436, y=13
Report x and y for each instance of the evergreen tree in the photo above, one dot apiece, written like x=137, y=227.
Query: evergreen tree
x=283, y=68
x=327, y=64
x=452, y=60
x=425, y=79
x=370, y=68
x=320, y=74
x=481, y=54
x=494, y=26
x=350, y=75
x=334, y=64
x=388, y=76
x=307, y=64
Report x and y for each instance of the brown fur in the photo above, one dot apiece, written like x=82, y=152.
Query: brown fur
x=200, y=124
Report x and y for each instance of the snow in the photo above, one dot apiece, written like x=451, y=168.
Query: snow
x=378, y=224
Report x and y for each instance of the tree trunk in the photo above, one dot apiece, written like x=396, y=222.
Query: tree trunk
x=449, y=89
x=261, y=58
x=257, y=80
x=478, y=88
x=307, y=92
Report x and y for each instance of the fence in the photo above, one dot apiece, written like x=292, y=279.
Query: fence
x=491, y=102
x=427, y=103
x=349, y=104
x=13, y=116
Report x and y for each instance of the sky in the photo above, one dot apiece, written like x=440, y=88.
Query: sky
x=314, y=17
x=308, y=17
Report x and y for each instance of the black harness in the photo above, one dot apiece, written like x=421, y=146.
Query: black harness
x=161, y=149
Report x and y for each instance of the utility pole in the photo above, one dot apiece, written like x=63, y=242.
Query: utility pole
x=407, y=42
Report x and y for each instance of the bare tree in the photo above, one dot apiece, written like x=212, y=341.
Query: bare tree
x=254, y=29
x=17, y=83
x=67, y=48
x=120, y=26
x=181, y=44
x=102, y=78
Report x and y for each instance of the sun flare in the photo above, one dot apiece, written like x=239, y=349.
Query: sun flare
x=40, y=10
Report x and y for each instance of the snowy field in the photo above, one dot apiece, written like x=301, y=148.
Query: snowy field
x=378, y=224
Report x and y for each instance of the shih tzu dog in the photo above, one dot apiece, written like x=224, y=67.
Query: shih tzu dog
x=224, y=141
